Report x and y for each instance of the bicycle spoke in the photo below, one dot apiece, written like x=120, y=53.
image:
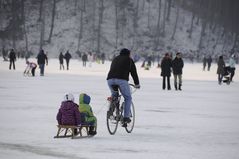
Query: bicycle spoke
x=130, y=126
x=111, y=119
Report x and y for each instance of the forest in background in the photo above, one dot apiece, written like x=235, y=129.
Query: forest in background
x=103, y=26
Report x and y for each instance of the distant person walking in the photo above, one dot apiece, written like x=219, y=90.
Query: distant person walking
x=90, y=58
x=220, y=69
x=4, y=54
x=166, y=65
x=103, y=58
x=177, y=65
x=61, y=60
x=41, y=61
x=84, y=59
x=209, y=63
x=232, y=64
x=204, y=61
x=67, y=57
x=12, y=57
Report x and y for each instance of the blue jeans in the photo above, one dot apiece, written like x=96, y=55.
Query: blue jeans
x=125, y=91
x=42, y=66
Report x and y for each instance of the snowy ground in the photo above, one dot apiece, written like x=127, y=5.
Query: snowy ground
x=201, y=122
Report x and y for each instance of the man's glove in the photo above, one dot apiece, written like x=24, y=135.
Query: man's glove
x=137, y=86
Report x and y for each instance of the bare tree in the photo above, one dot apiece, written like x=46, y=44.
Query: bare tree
x=42, y=24
x=203, y=29
x=149, y=9
x=82, y=10
x=24, y=24
x=192, y=20
x=101, y=11
x=169, y=9
x=13, y=24
x=116, y=23
x=176, y=22
x=164, y=17
x=135, y=23
x=52, y=20
x=158, y=31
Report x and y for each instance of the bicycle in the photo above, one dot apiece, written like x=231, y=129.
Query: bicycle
x=115, y=112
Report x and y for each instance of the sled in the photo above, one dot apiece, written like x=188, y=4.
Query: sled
x=66, y=131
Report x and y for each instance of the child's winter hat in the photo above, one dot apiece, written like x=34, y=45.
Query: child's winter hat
x=69, y=97
x=84, y=98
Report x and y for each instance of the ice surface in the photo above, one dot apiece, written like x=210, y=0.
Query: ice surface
x=200, y=122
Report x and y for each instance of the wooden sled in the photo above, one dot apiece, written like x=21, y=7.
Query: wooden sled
x=65, y=131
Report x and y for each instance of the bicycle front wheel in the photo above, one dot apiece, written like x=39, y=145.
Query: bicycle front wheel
x=130, y=126
x=112, y=120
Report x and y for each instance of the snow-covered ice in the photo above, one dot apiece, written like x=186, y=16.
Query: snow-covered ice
x=200, y=122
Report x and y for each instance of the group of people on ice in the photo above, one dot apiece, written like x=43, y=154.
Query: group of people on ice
x=176, y=66
x=226, y=71
x=207, y=61
x=67, y=57
x=72, y=114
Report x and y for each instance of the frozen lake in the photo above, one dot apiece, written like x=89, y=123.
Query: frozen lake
x=200, y=122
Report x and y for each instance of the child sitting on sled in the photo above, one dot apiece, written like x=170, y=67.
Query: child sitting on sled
x=31, y=67
x=68, y=113
x=87, y=116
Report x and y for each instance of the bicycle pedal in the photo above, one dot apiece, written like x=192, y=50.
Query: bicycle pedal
x=112, y=117
x=124, y=125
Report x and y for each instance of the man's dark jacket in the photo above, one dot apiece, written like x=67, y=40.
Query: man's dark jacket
x=120, y=68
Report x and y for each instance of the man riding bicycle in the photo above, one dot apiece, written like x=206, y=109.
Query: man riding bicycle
x=118, y=75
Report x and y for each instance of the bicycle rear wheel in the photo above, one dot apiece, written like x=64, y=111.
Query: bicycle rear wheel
x=130, y=126
x=112, y=119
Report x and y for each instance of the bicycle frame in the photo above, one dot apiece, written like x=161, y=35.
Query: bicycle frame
x=115, y=112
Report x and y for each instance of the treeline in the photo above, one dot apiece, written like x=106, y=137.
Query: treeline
x=103, y=25
x=218, y=17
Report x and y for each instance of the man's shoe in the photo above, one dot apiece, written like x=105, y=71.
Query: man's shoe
x=126, y=120
x=92, y=133
x=124, y=125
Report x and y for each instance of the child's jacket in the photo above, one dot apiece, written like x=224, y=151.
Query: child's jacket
x=69, y=114
x=86, y=110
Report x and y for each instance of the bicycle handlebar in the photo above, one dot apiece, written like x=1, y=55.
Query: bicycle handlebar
x=133, y=86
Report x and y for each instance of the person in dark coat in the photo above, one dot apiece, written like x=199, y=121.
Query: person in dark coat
x=12, y=57
x=209, y=62
x=69, y=113
x=103, y=58
x=177, y=65
x=41, y=61
x=204, y=61
x=67, y=57
x=61, y=60
x=121, y=66
x=4, y=54
x=166, y=65
x=84, y=59
x=220, y=69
